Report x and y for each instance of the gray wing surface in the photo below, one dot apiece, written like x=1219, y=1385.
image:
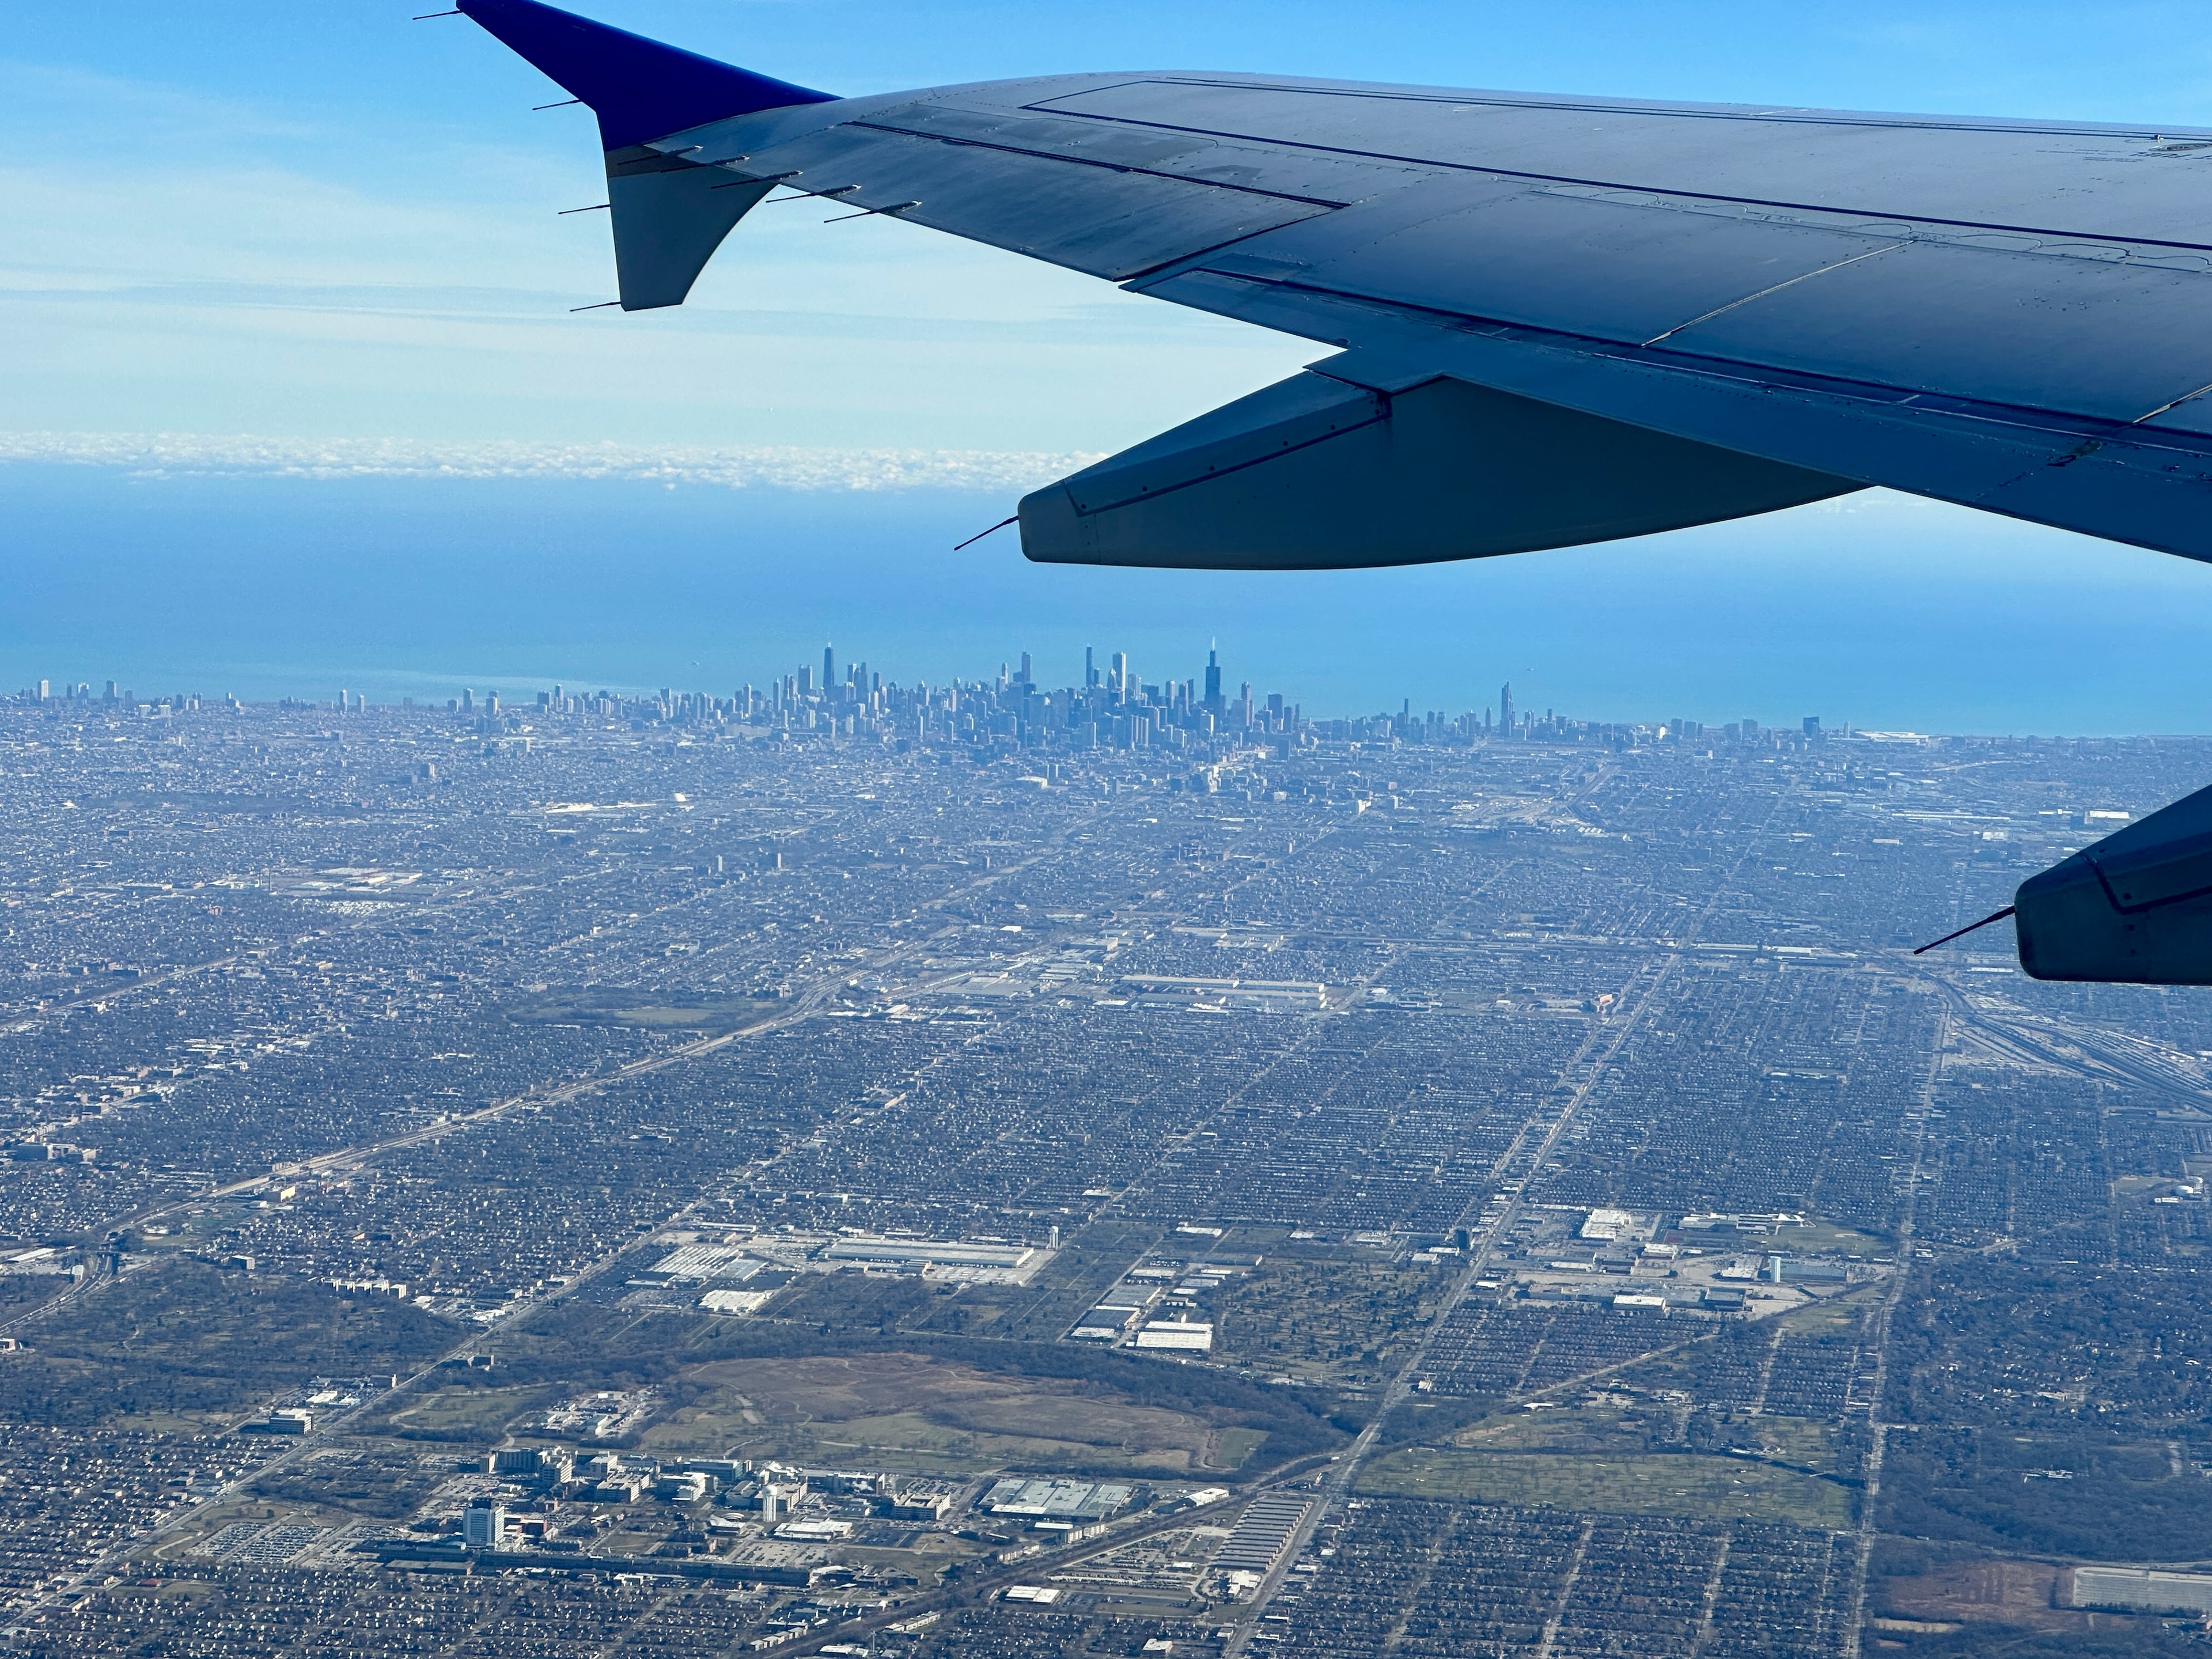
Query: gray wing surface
x=2013, y=316
x=1555, y=319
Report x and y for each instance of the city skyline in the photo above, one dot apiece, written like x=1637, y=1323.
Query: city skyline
x=863, y=690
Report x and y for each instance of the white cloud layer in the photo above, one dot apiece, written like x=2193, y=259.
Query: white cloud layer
x=171, y=454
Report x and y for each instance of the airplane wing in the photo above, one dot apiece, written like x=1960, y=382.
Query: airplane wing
x=1558, y=319
x=1555, y=320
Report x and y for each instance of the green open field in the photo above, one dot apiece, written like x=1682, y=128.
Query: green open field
x=1596, y=1428
x=912, y=1413
x=1835, y=1316
x=660, y=1009
x=1707, y=1488
x=469, y=1415
x=1828, y=1236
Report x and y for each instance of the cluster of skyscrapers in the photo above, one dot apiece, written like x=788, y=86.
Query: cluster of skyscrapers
x=1112, y=707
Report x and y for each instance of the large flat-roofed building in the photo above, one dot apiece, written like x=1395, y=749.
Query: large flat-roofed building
x=2143, y=1589
x=1256, y=1542
x=1106, y=1322
x=929, y=1252
x=1082, y=1500
x=1190, y=1335
x=1261, y=995
x=707, y=1261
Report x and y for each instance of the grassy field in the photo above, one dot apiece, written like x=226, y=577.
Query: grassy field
x=1236, y=1445
x=662, y=1010
x=1837, y=1316
x=1613, y=1432
x=911, y=1440
x=463, y=1414
x=1787, y=1439
x=1706, y=1488
x=1825, y=1236
x=910, y=1412
x=1607, y=1428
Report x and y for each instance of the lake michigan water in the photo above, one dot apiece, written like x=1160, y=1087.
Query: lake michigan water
x=1884, y=612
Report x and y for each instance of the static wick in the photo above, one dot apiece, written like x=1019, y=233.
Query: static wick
x=602, y=306
x=1999, y=915
x=979, y=534
x=869, y=213
x=814, y=195
x=424, y=17
x=564, y=104
x=596, y=207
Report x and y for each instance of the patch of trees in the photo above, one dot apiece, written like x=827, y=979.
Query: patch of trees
x=2000, y=1340
x=2096, y=1496
x=384, y=1487
x=185, y=1338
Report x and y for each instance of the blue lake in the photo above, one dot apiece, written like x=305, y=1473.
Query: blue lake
x=1890, y=614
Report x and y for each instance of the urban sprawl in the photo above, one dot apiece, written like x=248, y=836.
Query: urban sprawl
x=1129, y=1168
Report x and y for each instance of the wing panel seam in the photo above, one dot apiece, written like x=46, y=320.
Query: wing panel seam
x=2023, y=418
x=1379, y=412
x=1094, y=161
x=1601, y=106
x=1774, y=287
x=1638, y=189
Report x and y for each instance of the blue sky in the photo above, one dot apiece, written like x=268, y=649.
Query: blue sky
x=328, y=222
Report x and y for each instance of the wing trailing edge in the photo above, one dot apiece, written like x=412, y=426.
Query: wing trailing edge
x=1337, y=468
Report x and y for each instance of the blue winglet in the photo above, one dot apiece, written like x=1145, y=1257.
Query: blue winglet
x=639, y=89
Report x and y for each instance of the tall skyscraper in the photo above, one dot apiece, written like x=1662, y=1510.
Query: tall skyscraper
x=1025, y=669
x=1505, y=708
x=829, y=667
x=1214, y=681
x=1089, y=668
x=1120, y=683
